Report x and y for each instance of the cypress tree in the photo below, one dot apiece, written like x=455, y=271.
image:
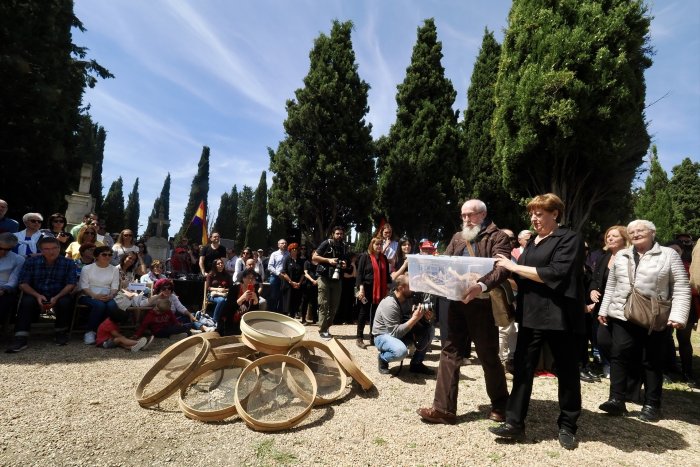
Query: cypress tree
x=42, y=78
x=256, y=231
x=199, y=192
x=245, y=204
x=478, y=148
x=569, y=115
x=654, y=202
x=133, y=210
x=323, y=169
x=161, y=202
x=113, y=207
x=417, y=161
x=227, y=218
x=684, y=188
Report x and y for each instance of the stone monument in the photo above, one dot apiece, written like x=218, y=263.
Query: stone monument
x=158, y=246
x=80, y=202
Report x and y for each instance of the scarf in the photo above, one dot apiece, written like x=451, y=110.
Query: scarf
x=379, y=285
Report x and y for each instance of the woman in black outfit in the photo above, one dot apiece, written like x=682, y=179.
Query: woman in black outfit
x=372, y=281
x=292, y=276
x=242, y=297
x=550, y=309
x=616, y=239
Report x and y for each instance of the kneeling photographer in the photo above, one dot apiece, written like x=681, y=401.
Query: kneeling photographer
x=392, y=335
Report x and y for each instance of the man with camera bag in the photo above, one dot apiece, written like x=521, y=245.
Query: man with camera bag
x=472, y=317
x=330, y=256
x=392, y=334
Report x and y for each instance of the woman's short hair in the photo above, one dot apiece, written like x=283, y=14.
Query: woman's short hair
x=293, y=246
x=549, y=202
x=86, y=246
x=101, y=249
x=643, y=222
x=623, y=233
x=30, y=215
x=156, y=263
x=160, y=283
x=9, y=239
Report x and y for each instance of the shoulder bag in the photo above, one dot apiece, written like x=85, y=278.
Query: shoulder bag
x=648, y=312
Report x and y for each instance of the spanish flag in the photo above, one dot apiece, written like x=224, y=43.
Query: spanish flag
x=200, y=220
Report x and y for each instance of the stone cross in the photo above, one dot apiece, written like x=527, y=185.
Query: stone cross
x=160, y=221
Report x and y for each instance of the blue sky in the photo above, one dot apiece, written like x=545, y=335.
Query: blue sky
x=218, y=73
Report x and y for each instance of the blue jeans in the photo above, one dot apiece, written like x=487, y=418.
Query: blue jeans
x=99, y=311
x=218, y=307
x=392, y=349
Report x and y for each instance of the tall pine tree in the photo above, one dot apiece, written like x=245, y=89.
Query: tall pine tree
x=482, y=179
x=227, y=218
x=90, y=147
x=113, y=207
x=42, y=78
x=323, y=169
x=245, y=204
x=198, y=192
x=256, y=232
x=418, y=189
x=133, y=210
x=654, y=202
x=570, y=93
x=684, y=188
x=162, y=203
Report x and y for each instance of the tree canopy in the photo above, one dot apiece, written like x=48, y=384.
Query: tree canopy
x=133, y=210
x=418, y=160
x=113, y=207
x=227, y=217
x=256, y=230
x=324, y=169
x=245, y=204
x=162, y=203
x=684, y=188
x=42, y=78
x=569, y=115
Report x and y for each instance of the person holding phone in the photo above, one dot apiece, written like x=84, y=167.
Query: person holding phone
x=241, y=298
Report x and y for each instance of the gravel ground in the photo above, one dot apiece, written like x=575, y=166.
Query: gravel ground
x=75, y=405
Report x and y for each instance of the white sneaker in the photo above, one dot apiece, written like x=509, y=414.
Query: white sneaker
x=140, y=344
x=89, y=338
x=148, y=342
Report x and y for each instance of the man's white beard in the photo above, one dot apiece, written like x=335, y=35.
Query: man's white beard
x=470, y=233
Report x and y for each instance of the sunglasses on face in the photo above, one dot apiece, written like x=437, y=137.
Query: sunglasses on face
x=166, y=287
x=58, y=221
x=34, y=220
x=5, y=249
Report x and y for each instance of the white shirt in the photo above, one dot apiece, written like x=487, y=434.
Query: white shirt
x=99, y=280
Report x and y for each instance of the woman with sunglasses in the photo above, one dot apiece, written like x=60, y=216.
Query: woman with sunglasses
x=57, y=228
x=99, y=284
x=124, y=244
x=28, y=237
x=86, y=234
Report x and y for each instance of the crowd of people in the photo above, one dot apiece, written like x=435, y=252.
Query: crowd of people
x=549, y=304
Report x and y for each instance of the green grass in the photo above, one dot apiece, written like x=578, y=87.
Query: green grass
x=266, y=453
x=379, y=441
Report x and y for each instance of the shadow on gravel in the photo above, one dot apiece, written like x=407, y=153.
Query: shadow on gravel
x=628, y=433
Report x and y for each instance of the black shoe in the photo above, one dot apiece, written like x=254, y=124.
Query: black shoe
x=567, y=440
x=383, y=366
x=650, y=414
x=18, y=344
x=506, y=430
x=61, y=338
x=613, y=407
x=421, y=369
x=690, y=380
x=586, y=377
x=360, y=343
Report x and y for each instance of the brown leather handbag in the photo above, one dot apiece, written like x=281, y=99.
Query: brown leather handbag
x=648, y=312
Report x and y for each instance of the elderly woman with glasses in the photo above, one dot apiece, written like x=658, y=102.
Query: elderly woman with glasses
x=657, y=272
x=86, y=234
x=99, y=284
x=28, y=237
x=57, y=228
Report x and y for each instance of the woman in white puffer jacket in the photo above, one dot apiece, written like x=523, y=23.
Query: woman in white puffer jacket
x=658, y=271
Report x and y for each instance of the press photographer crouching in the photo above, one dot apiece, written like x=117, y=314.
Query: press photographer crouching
x=392, y=335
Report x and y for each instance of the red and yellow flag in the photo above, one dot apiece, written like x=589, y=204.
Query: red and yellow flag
x=200, y=220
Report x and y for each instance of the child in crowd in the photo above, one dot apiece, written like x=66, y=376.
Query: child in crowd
x=109, y=337
x=162, y=322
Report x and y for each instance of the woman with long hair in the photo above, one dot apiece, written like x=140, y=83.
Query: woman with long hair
x=124, y=244
x=218, y=282
x=405, y=248
x=373, y=277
